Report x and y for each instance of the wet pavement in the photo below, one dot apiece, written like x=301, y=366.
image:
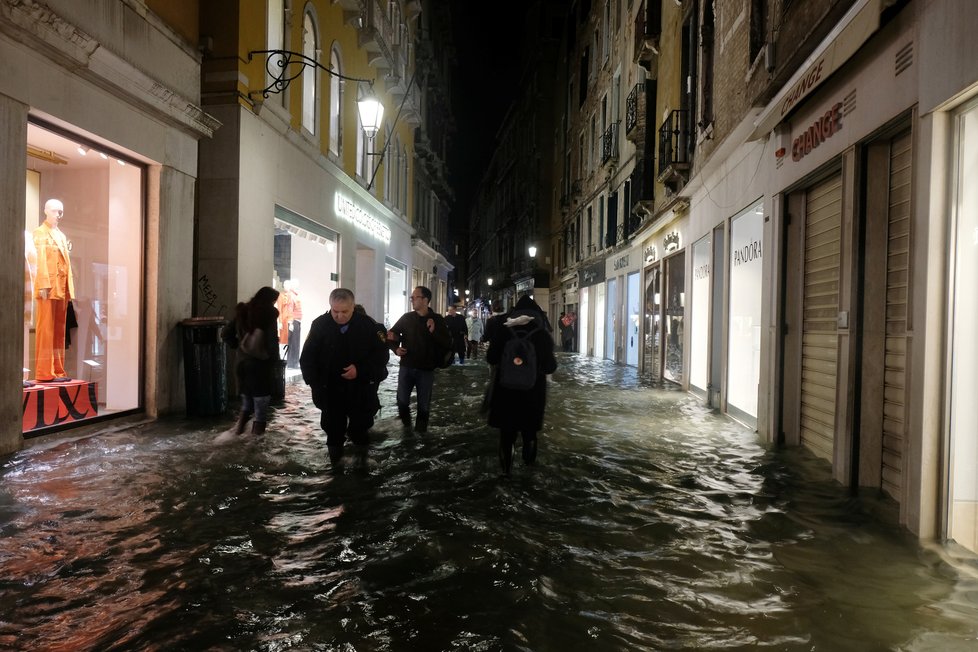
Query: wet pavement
x=649, y=523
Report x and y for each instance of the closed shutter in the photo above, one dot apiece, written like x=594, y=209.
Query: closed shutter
x=897, y=290
x=820, y=347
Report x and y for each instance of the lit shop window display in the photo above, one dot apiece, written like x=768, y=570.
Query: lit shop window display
x=83, y=244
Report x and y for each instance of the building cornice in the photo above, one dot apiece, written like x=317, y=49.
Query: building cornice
x=48, y=34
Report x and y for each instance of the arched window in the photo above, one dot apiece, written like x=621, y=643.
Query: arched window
x=335, y=104
x=310, y=75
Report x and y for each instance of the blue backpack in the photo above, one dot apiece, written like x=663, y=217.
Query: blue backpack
x=518, y=366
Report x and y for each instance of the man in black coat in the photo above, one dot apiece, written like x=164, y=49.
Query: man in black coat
x=343, y=359
x=460, y=332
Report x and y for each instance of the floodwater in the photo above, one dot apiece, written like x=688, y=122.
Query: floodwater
x=649, y=523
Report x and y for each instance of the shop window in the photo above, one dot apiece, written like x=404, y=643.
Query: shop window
x=306, y=266
x=83, y=280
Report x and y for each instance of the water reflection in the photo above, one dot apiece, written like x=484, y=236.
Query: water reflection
x=650, y=523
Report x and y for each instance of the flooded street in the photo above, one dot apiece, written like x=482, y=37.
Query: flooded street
x=649, y=523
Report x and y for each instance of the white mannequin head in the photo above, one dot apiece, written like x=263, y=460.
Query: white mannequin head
x=53, y=212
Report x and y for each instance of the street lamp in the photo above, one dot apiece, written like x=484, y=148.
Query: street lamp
x=489, y=281
x=533, y=251
x=371, y=112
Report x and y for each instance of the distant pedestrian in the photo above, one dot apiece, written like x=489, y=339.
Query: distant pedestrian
x=568, y=331
x=460, y=332
x=417, y=338
x=475, y=328
x=493, y=324
x=254, y=334
x=343, y=359
x=520, y=411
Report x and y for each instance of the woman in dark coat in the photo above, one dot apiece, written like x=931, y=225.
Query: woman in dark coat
x=258, y=356
x=516, y=411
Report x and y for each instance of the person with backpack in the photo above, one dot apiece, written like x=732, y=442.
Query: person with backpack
x=421, y=340
x=342, y=360
x=522, y=349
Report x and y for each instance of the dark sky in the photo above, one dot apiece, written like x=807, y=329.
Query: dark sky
x=487, y=36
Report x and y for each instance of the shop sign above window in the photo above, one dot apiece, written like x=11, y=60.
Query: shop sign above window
x=351, y=212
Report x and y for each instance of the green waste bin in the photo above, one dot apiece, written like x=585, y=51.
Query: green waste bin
x=205, y=366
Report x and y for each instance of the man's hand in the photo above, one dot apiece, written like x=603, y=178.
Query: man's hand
x=431, y=325
x=400, y=351
x=349, y=372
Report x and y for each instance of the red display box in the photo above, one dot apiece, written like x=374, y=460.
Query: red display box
x=51, y=404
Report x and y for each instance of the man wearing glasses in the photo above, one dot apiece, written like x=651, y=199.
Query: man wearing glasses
x=416, y=338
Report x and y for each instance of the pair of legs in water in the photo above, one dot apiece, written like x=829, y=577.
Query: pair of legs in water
x=253, y=405
x=507, y=439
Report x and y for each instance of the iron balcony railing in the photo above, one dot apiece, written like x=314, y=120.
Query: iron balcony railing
x=609, y=144
x=675, y=142
x=631, y=108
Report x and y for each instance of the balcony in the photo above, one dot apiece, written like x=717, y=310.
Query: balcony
x=377, y=35
x=675, y=150
x=609, y=144
x=637, y=112
x=642, y=189
x=648, y=28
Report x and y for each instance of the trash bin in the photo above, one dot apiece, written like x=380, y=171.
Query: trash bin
x=205, y=366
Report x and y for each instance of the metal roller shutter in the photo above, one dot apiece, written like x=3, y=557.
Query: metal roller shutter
x=897, y=285
x=819, y=356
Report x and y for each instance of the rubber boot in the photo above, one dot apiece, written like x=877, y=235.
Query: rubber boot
x=530, y=451
x=258, y=428
x=335, y=454
x=242, y=423
x=505, y=457
x=421, y=425
x=404, y=413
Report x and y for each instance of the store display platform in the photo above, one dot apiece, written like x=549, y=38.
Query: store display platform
x=51, y=404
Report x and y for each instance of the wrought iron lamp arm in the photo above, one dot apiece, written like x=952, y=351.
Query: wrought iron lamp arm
x=387, y=141
x=282, y=77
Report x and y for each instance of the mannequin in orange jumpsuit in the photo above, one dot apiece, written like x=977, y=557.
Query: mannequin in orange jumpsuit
x=53, y=289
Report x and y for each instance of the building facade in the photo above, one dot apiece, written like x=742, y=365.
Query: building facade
x=295, y=192
x=798, y=225
x=101, y=115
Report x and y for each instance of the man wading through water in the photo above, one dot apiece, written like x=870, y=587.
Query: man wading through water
x=417, y=338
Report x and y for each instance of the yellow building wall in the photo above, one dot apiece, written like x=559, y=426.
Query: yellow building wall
x=334, y=31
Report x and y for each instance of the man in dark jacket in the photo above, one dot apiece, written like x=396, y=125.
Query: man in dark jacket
x=514, y=411
x=418, y=338
x=342, y=361
x=460, y=332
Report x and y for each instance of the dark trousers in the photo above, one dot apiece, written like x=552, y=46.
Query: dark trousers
x=407, y=379
x=346, y=414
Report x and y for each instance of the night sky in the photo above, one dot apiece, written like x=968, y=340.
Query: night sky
x=487, y=36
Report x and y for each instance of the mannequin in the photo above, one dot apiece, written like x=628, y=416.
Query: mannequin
x=290, y=320
x=53, y=289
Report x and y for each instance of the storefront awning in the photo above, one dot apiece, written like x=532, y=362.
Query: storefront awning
x=843, y=41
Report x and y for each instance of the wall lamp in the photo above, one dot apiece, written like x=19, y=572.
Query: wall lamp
x=532, y=251
x=285, y=66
